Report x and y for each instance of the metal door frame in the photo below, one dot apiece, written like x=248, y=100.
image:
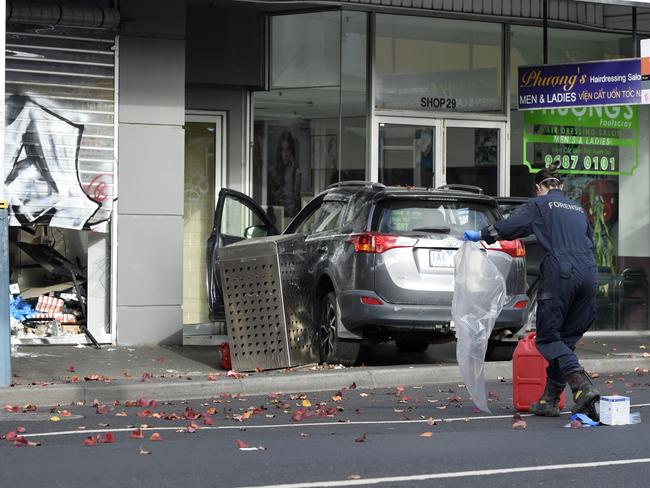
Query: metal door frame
x=440, y=126
x=218, y=118
x=435, y=124
x=503, y=166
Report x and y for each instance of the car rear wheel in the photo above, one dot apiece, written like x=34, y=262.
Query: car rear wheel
x=332, y=349
x=412, y=344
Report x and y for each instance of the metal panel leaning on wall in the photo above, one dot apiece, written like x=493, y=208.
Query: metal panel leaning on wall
x=59, y=164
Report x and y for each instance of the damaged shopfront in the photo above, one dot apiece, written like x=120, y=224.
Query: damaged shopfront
x=59, y=171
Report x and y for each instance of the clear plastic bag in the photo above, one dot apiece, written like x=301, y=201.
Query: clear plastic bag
x=479, y=296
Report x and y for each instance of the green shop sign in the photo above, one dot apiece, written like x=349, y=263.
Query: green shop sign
x=583, y=140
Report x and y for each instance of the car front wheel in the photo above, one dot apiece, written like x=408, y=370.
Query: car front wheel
x=334, y=350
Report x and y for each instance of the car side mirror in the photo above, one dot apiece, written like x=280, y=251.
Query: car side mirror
x=256, y=231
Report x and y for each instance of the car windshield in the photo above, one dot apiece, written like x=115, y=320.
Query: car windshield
x=432, y=217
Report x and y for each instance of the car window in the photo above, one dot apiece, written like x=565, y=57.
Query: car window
x=444, y=217
x=328, y=216
x=305, y=227
x=506, y=209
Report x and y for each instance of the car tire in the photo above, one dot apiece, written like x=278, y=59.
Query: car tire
x=412, y=344
x=500, y=351
x=332, y=349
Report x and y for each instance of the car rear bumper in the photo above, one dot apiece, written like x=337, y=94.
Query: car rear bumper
x=356, y=314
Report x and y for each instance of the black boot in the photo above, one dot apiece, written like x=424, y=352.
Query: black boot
x=549, y=403
x=584, y=394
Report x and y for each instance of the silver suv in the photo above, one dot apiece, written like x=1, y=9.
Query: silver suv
x=381, y=263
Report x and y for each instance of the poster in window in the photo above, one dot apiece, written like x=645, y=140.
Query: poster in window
x=486, y=147
x=289, y=168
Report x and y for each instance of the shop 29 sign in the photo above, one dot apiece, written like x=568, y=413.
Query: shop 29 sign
x=583, y=140
x=616, y=82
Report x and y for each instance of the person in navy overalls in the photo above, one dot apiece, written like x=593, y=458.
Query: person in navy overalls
x=566, y=301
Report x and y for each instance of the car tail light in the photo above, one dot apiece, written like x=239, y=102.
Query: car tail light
x=376, y=243
x=515, y=248
x=371, y=301
x=521, y=304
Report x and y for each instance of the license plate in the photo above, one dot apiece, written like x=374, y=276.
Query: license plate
x=442, y=259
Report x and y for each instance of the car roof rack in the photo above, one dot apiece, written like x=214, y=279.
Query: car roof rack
x=468, y=188
x=357, y=183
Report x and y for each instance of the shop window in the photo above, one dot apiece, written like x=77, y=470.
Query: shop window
x=313, y=133
x=58, y=180
x=305, y=50
x=441, y=65
x=615, y=189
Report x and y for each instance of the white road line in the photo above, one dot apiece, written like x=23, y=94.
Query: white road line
x=457, y=474
x=301, y=425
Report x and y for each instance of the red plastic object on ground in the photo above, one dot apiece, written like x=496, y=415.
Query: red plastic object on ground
x=224, y=350
x=528, y=374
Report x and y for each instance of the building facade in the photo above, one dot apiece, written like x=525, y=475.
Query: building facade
x=173, y=100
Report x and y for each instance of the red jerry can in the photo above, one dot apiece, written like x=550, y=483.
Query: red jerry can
x=224, y=350
x=528, y=374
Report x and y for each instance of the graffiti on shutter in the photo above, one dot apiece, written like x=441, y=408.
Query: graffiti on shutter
x=59, y=137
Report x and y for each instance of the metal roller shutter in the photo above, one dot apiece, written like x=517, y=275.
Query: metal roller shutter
x=59, y=138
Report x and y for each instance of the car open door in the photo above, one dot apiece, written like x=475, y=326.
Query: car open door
x=236, y=217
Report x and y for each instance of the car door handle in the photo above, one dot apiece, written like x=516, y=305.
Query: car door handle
x=321, y=249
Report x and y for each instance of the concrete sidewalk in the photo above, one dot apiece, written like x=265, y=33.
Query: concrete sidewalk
x=51, y=375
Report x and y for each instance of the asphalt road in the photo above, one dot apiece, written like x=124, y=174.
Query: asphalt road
x=347, y=438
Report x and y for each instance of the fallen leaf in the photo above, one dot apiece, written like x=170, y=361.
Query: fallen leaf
x=126, y=374
x=595, y=375
x=399, y=390
x=518, y=423
x=74, y=379
x=241, y=444
x=144, y=413
x=430, y=421
x=207, y=420
x=54, y=418
x=306, y=403
x=155, y=437
x=11, y=436
x=143, y=452
x=29, y=408
x=646, y=354
x=11, y=409
x=234, y=374
x=145, y=377
x=212, y=376
x=90, y=441
x=102, y=410
x=353, y=386
x=136, y=434
x=110, y=438
x=121, y=414
x=362, y=438
x=20, y=441
x=103, y=425
x=20, y=429
x=70, y=369
x=426, y=434
x=354, y=477
x=642, y=346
